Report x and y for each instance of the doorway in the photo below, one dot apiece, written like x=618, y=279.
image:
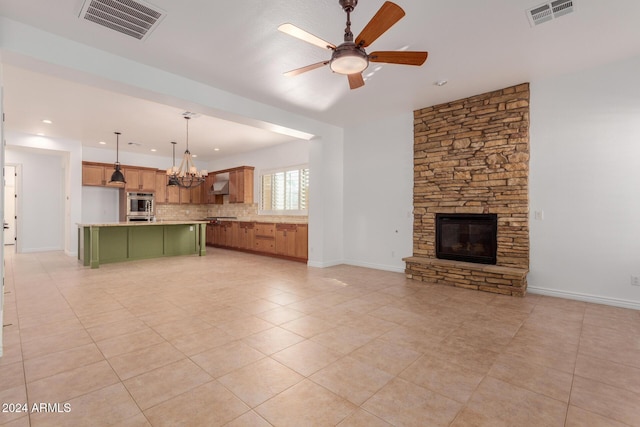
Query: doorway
x=10, y=204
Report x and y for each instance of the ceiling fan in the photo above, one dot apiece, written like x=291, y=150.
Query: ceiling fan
x=350, y=58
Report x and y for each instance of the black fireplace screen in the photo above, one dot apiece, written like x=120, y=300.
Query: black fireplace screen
x=467, y=237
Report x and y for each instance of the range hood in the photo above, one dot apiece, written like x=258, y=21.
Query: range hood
x=221, y=187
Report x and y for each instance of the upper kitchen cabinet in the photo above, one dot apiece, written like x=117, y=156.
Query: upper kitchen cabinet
x=98, y=174
x=140, y=179
x=241, y=184
x=161, y=187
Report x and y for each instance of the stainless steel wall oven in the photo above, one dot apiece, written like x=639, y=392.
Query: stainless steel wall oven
x=140, y=207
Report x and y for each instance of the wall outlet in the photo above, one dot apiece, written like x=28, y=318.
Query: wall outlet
x=635, y=281
x=538, y=215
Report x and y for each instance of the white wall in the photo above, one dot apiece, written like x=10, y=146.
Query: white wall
x=100, y=204
x=378, y=193
x=40, y=224
x=585, y=149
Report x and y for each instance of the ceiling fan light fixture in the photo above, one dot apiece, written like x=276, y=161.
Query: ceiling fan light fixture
x=348, y=59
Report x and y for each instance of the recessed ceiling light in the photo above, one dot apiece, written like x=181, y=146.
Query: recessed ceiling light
x=102, y=143
x=194, y=155
x=441, y=83
x=40, y=134
x=154, y=150
x=47, y=121
x=216, y=149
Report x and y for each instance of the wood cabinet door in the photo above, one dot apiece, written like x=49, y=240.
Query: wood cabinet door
x=241, y=185
x=265, y=244
x=147, y=180
x=217, y=234
x=286, y=239
x=197, y=194
x=234, y=191
x=265, y=229
x=185, y=195
x=210, y=234
x=302, y=241
x=132, y=176
x=246, y=235
x=93, y=175
x=173, y=194
x=161, y=188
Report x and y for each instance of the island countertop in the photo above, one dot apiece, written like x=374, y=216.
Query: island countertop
x=138, y=223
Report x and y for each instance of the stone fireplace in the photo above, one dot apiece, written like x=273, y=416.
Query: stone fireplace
x=471, y=161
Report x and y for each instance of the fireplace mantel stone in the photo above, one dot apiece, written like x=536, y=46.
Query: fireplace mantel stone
x=468, y=275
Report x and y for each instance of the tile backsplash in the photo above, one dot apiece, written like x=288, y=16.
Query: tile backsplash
x=241, y=211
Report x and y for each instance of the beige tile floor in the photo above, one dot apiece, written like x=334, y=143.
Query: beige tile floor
x=239, y=340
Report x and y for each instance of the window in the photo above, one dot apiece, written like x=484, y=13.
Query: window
x=285, y=191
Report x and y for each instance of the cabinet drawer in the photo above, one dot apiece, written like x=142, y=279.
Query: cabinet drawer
x=265, y=229
x=286, y=227
x=265, y=245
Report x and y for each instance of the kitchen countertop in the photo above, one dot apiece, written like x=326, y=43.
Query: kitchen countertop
x=141, y=223
x=262, y=220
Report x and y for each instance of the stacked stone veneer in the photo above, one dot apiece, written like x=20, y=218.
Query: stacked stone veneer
x=472, y=156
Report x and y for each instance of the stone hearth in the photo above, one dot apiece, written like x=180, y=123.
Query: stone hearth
x=472, y=156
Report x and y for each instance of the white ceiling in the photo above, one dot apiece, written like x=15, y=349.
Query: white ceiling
x=235, y=46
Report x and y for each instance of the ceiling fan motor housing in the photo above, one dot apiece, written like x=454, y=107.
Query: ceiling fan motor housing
x=348, y=5
x=349, y=59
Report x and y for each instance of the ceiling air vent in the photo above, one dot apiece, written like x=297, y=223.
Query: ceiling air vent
x=548, y=11
x=133, y=18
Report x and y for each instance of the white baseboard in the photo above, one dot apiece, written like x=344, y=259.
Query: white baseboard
x=394, y=268
x=326, y=264
x=34, y=250
x=584, y=297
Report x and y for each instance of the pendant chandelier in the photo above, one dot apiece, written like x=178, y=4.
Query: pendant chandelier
x=187, y=175
x=117, y=175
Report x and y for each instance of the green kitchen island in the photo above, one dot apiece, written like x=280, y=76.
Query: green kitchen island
x=127, y=241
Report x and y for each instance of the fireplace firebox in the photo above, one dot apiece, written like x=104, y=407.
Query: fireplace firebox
x=467, y=237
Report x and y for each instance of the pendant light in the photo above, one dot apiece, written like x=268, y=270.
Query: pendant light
x=172, y=171
x=117, y=175
x=187, y=175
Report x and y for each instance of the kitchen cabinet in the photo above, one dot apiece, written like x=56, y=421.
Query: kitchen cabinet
x=225, y=235
x=281, y=240
x=197, y=194
x=246, y=235
x=185, y=195
x=161, y=187
x=241, y=185
x=291, y=240
x=98, y=174
x=265, y=237
x=140, y=179
x=209, y=237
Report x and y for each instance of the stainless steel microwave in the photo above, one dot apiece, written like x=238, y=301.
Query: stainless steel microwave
x=140, y=205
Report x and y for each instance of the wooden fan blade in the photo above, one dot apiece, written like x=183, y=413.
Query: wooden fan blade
x=399, y=57
x=305, y=69
x=355, y=80
x=389, y=14
x=301, y=34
